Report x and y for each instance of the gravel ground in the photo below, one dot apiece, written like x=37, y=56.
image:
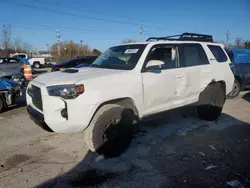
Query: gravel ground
x=174, y=149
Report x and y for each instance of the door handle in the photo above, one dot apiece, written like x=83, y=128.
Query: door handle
x=178, y=76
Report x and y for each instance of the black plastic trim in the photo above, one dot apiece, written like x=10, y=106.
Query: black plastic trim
x=186, y=37
x=38, y=118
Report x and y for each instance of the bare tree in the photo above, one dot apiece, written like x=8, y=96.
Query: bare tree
x=70, y=49
x=238, y=42
x=17, y=44
x=6, y=37
x=247, y=44
x=26, y=47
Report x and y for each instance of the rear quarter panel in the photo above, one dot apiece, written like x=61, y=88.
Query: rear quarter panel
x=220, y=71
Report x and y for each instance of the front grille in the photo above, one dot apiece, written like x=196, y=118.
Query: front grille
x=37, y=97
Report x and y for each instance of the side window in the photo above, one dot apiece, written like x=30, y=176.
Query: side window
x=13, y=61
x=193, y=55
x=22, y=56
x=166, y=53
x=218, y=53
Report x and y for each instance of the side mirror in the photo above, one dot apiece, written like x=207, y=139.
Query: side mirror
x=154, y=65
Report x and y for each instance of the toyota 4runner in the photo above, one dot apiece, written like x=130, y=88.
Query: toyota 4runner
x=129, y=82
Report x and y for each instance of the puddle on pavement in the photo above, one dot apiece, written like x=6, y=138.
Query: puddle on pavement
x=92, y=177
x=14, y=160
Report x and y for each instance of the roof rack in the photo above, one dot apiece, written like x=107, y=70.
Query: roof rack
x=186, y=37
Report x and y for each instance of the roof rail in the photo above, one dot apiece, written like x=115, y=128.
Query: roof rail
x=186, y=37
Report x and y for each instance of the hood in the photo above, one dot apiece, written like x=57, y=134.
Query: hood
x=76, y=75
x=7, y=84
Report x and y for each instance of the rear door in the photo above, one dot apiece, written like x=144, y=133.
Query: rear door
x=13, y=63
x=194, y=74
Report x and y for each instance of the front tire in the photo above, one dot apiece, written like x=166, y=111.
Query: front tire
x=211, y=102
x=235, y=91
x=110, y=131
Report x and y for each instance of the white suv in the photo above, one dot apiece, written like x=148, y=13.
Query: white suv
x=131, y=81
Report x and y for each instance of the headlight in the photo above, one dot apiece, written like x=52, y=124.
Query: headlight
x=66, y=91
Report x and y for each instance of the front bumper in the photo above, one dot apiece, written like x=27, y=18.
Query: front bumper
x=50, y=115
x=38, y=118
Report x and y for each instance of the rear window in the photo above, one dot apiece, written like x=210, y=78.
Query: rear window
x=218, y=53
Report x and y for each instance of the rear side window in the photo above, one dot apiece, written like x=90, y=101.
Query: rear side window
x=193, y=55
x=218, y=53
x=22, y=56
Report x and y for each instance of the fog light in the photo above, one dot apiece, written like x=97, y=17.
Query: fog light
x=64, y=113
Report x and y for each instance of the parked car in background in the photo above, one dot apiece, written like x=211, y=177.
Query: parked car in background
x=240, y=66
x=36, y=62
x=87, y=60
x=10, y=63
x=9, y=91
x=15, y=76
x=82, y=65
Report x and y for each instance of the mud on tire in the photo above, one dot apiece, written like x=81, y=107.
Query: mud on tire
x=110, y=131
x=211, y=102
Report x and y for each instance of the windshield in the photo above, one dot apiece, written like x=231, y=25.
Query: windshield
x=124, y=57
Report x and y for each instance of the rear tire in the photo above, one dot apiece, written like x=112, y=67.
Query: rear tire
x=235, y=91
x=1, y=104
x=110, y=131
x=211, y=102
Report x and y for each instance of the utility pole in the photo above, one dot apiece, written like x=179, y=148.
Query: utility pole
x=58, y=41
x=140, y=32
x=227, y=38
x=48, y=49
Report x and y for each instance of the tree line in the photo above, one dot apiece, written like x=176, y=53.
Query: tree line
x=68, y=49
x=9, y=46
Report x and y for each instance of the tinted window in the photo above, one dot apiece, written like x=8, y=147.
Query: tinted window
x=166, y=53
x=192, y=55
x=13, y=61
x=22, y=56
x=218, y=53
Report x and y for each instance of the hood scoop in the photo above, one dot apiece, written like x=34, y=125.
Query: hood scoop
x=71, y=70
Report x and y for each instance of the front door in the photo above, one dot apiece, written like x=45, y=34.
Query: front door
x=160, y=85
